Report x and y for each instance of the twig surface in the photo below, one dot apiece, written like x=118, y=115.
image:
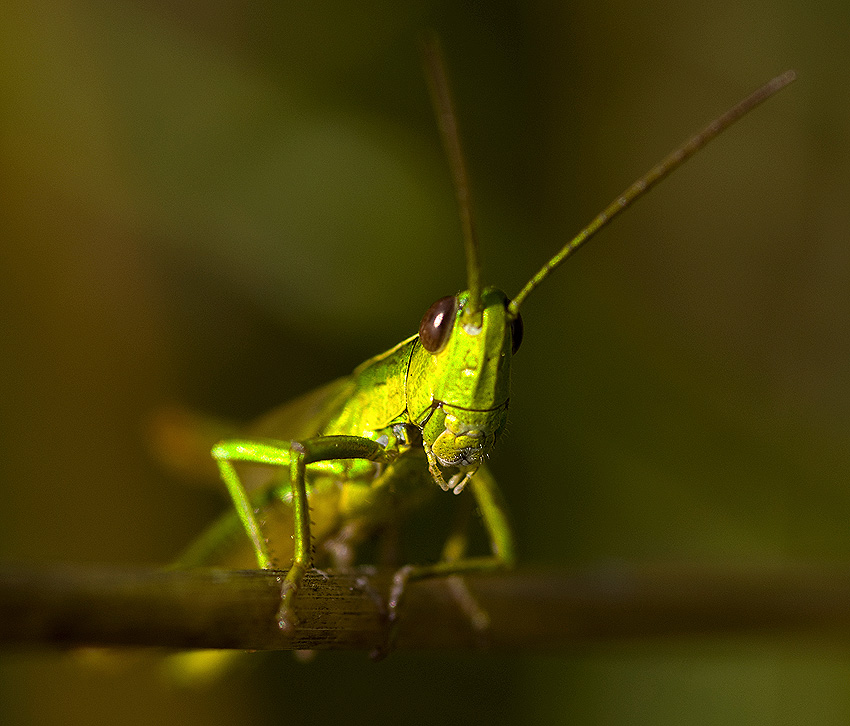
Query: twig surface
x=63, y=606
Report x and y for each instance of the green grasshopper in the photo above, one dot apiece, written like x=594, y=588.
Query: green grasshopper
x=336, y=466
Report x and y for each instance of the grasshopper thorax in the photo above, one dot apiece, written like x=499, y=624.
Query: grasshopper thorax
x=458, y=384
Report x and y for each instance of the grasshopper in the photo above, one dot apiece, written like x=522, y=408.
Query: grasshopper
x=336, y=466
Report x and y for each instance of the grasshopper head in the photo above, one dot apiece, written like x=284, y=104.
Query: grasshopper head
x=458, y=384
x=459, y=377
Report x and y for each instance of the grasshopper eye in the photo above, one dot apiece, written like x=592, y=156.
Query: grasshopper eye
x=516, y=333
x=437, y=323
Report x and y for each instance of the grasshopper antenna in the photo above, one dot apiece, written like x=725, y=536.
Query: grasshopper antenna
x=667, y=165
x=438, y=85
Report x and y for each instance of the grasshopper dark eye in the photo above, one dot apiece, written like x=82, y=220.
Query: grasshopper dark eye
x=437, y=324
x=516, y=333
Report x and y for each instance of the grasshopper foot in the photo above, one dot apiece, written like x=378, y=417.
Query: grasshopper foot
x=286, y=617
x=287, y=620
x=400, y=580
x=478, y=616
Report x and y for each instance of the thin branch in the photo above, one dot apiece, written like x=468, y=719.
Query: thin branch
x=96, y=606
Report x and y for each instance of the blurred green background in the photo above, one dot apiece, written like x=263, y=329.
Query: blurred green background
x=225, y=204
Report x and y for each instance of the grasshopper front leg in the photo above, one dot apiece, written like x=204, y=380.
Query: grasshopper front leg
x=296, y=455
x=494, y=516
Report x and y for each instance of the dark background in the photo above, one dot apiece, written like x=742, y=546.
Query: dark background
x=225, y=204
